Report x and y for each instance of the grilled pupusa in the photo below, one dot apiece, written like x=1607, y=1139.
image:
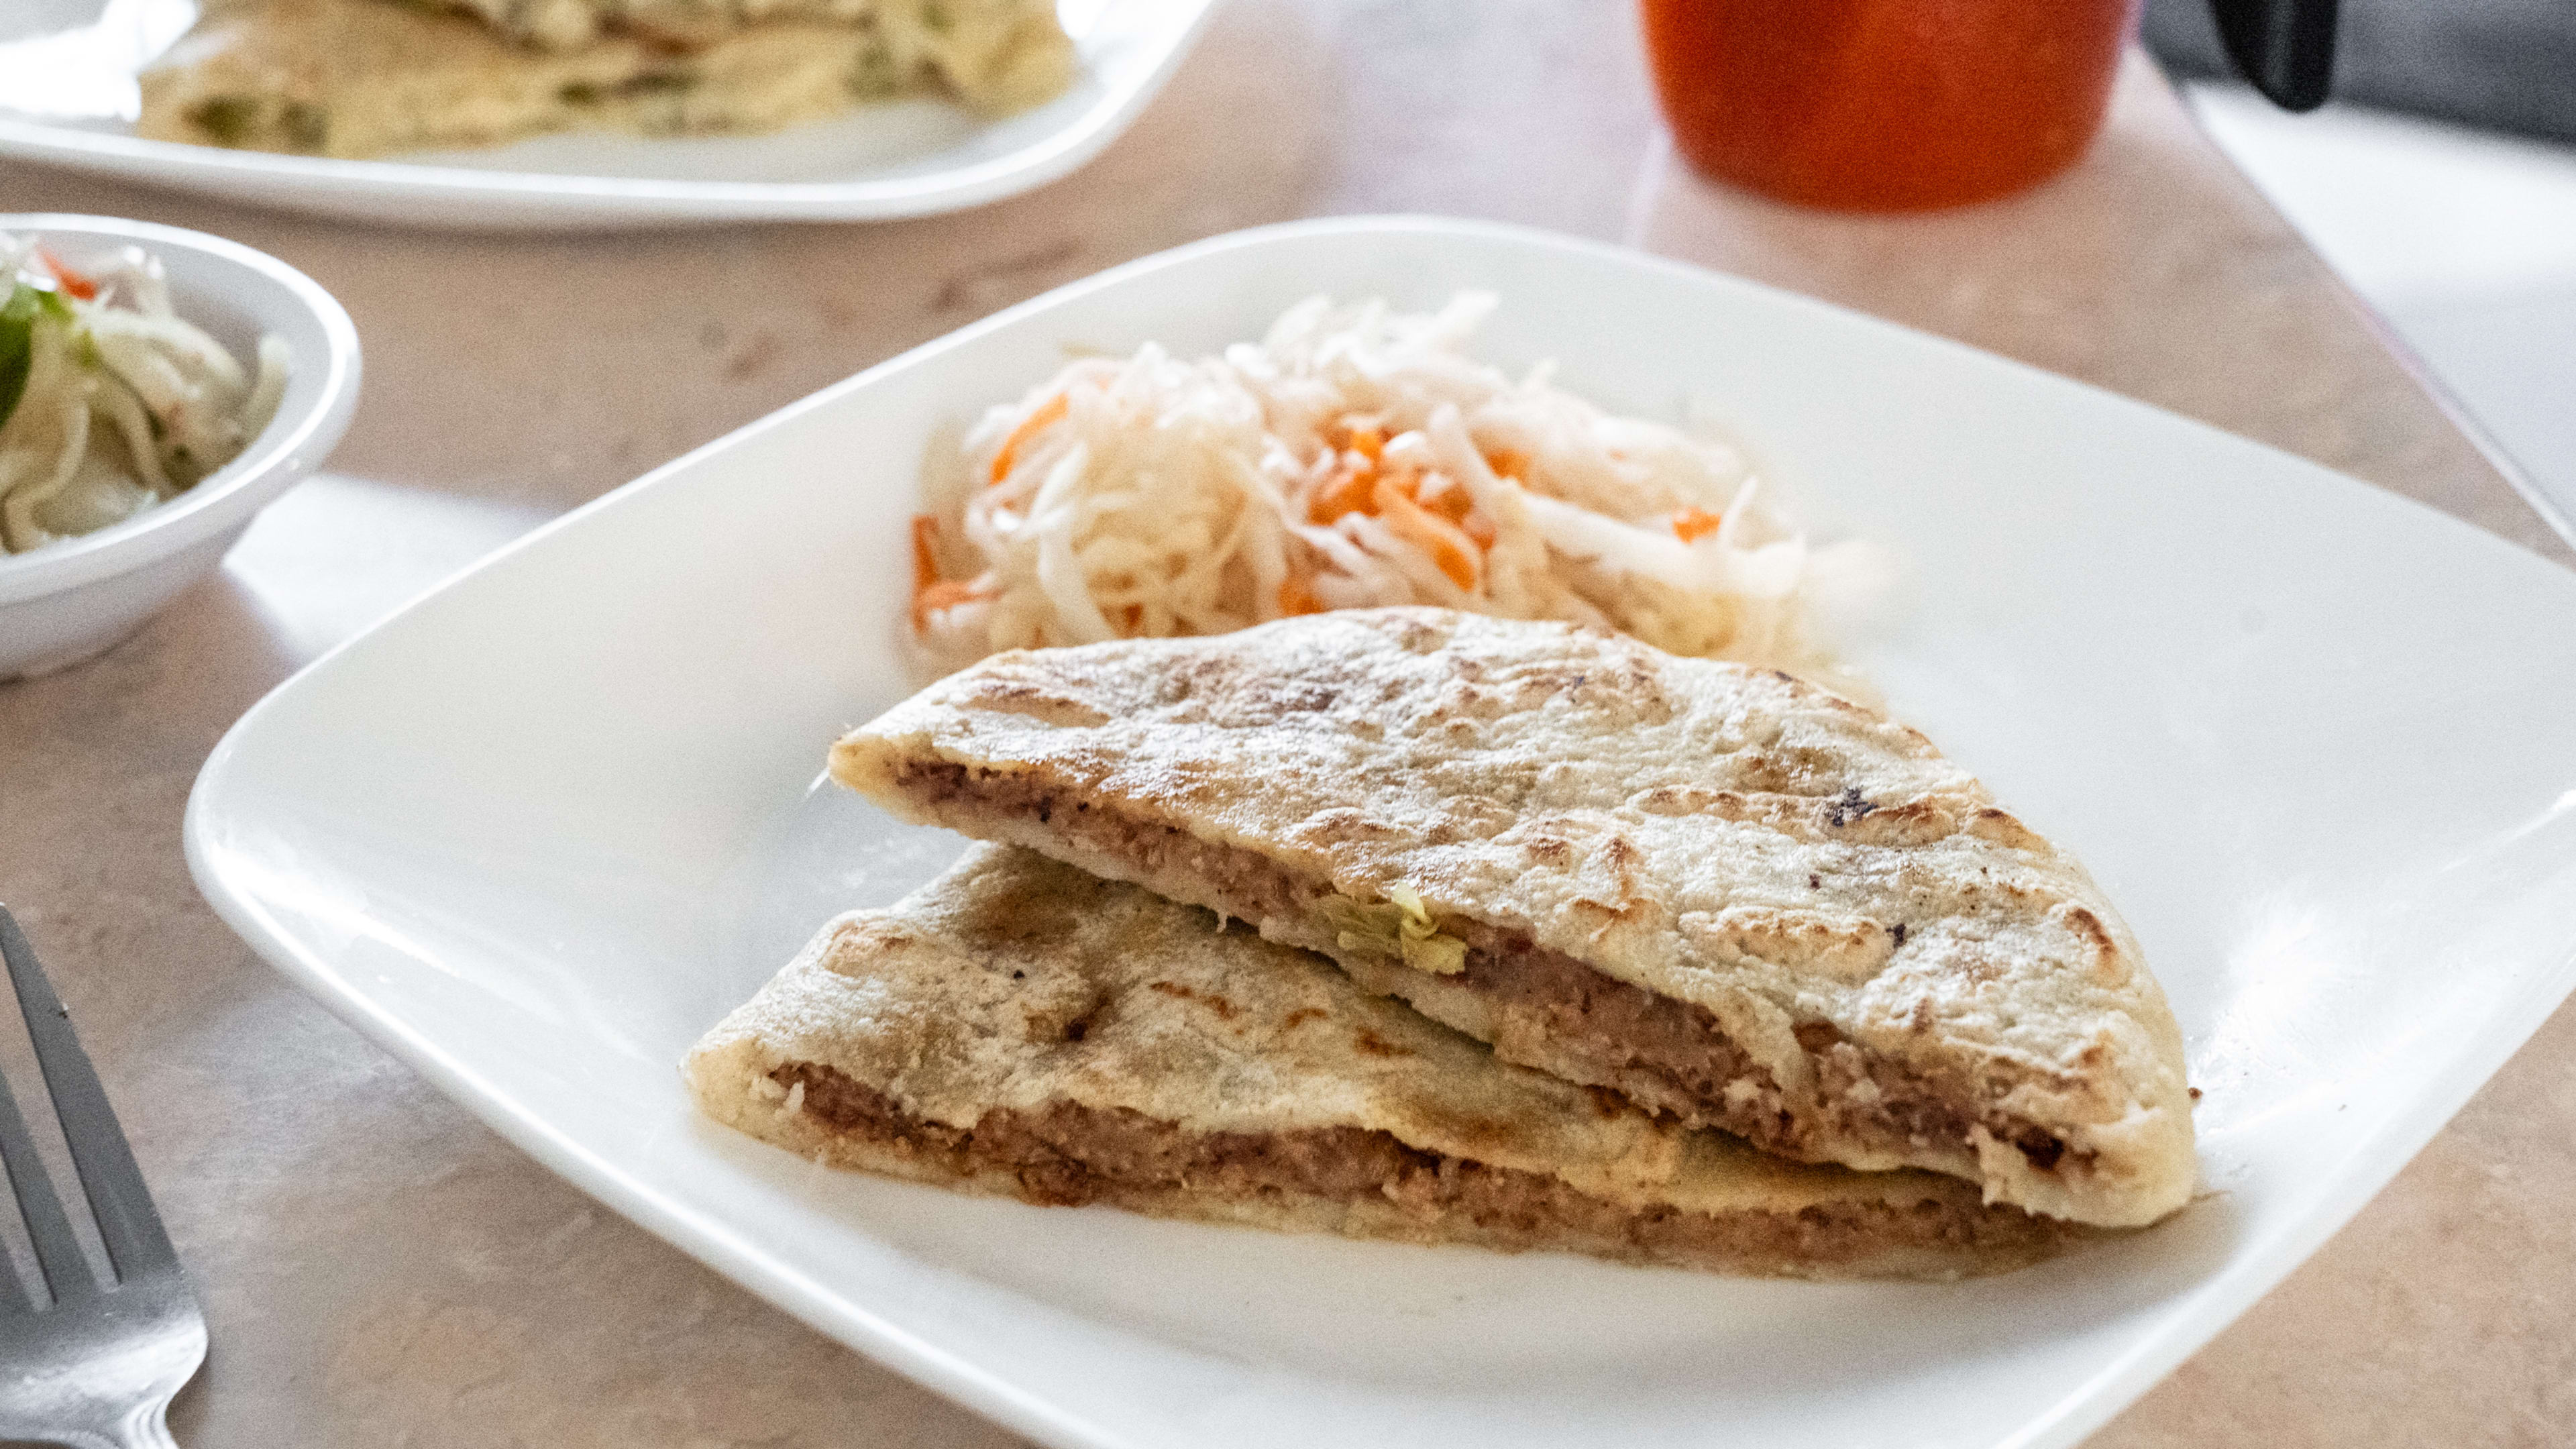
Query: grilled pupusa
x=357, y=78
x=1023, y=1028
x=1735, y=897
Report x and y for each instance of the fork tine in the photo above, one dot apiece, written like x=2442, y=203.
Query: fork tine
x=127, y=1223
x=58, y=1253
x=13, y=1290
x=14, y=1297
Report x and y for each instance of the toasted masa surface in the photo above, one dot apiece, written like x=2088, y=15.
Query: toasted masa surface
x=1870, y=954
x=1023, y=1028
x=1544, y=1008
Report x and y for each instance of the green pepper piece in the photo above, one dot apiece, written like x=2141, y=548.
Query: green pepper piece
x=228, y=120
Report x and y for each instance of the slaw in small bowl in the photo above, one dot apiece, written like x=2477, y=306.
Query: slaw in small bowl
x=73, y=598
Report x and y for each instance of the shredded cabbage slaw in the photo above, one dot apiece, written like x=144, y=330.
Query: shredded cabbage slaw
x=1355, y=456
x=109, y=401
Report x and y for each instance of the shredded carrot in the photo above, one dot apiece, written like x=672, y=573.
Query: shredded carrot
x=1352, y=490
x=925, y=556
x=1450, y=499
x=1508, y=462
x=941, y=594
x=1450, y=549
x=1369, y=443
x=1447, y=497
x=76, y=283
x=930, y=592
x=1693, y=524
x=1296, y=598
x=1044, y=415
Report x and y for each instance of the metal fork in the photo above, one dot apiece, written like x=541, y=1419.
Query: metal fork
x=96, y=1366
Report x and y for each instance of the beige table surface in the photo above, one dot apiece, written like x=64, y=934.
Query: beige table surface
x=378, y=1269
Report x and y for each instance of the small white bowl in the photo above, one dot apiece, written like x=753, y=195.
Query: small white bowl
x=62, y=604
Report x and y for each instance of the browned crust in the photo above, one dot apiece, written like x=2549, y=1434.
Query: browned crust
x=1067, y=1154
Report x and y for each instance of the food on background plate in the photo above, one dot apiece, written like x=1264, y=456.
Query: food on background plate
x=1354, y=457
x=975, y=37
x=355, y=78
x=1024, y=1029
x=110, y=402
x=1729, y=894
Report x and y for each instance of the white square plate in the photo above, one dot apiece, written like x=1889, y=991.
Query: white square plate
x=67, y=98
x=537, y=832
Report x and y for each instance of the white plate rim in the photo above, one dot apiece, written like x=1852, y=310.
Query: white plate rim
x=2082, y=1408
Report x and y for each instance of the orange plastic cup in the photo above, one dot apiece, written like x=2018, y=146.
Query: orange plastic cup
x=1885, y=105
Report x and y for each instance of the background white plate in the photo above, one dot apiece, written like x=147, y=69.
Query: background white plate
x=67, y=98
x=538, y=831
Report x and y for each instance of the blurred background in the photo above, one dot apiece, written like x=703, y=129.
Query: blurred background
x=2441, y=182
